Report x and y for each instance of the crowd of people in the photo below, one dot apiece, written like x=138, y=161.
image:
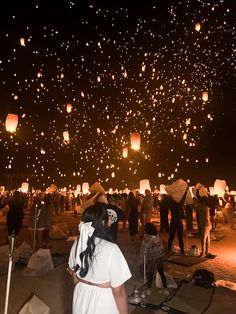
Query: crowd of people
x=97, y=265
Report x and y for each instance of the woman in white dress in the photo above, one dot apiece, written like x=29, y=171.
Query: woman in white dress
x=98, y=267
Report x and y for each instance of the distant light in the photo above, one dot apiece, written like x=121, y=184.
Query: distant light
x=197, y=27
x=22, y=42
x=205, y=96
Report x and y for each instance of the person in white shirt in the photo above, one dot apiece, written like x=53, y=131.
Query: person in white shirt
x=98, y=267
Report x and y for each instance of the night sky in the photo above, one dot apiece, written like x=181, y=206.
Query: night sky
x=124, y=66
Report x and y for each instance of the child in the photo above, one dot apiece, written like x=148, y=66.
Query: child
x=152, y=246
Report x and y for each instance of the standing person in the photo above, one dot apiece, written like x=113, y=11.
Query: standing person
x=164, y=204
x=15, y=214
x=123, y=206
x=204, y=221
x=146, y=208
x=213, y=202
x=41, y=218
x=98, y=267
x=176, y=225
x=133, y=215
x=116, y=215
x=152, y=246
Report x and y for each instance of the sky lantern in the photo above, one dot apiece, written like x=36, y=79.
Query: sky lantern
x=211, y=190
x=24, y=187
x=144, y=185
x=205, y=96
x=197, y=27
x=125, y=152
x=42, y=151
x=69, y=107
x=85, y=188
x=162, y=189
x=22, y=41
x=78, y=188
x=220, y=187
x=135, y=140
x=11, y=122
x=66, y=136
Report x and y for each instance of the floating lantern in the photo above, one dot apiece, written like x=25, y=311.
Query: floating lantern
x=220, y=187
x=144, y=185
x=205, y=96
x=42, y=151
x=197, y=27
x=78, y=188
x=11, y=122
x=24, y=187
x=69, y=107
x=135, y=141
x=85, y=188
x=66, y=136
x=125, y=152
x=22, y=42
x=163, y=189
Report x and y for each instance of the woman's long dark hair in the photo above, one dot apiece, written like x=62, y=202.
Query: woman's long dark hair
x=97, y=214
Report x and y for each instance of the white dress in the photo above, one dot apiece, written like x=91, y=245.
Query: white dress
x=109, y=265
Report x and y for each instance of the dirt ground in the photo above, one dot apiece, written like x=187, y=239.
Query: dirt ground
x=56, y=289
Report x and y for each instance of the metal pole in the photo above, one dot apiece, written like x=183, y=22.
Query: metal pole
x=144, y=269
x=11, y=248
x=36, y=218
x=35, y=223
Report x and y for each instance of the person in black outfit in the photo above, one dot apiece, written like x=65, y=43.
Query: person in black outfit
x=116, y=215
x=133, y=215
x=176, y=225
x=15, y=214
x=164, y=205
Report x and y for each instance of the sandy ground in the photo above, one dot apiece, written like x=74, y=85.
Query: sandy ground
x=55, y=288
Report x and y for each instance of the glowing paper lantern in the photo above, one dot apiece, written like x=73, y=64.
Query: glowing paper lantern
x=11, y=122
x=125, y=152
x=126, y=190
x=135, y=141
x=205, y=96
x=25, y=187
x=162, y=189
x=211, y=190
x=51, y=189
x=177, y=189
x=69, y=107
x=144, y=185
x=220, y=187
x=85, y=188
x=78, y=188
x=66, y=136
x=22, y=42
x=197, y=27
